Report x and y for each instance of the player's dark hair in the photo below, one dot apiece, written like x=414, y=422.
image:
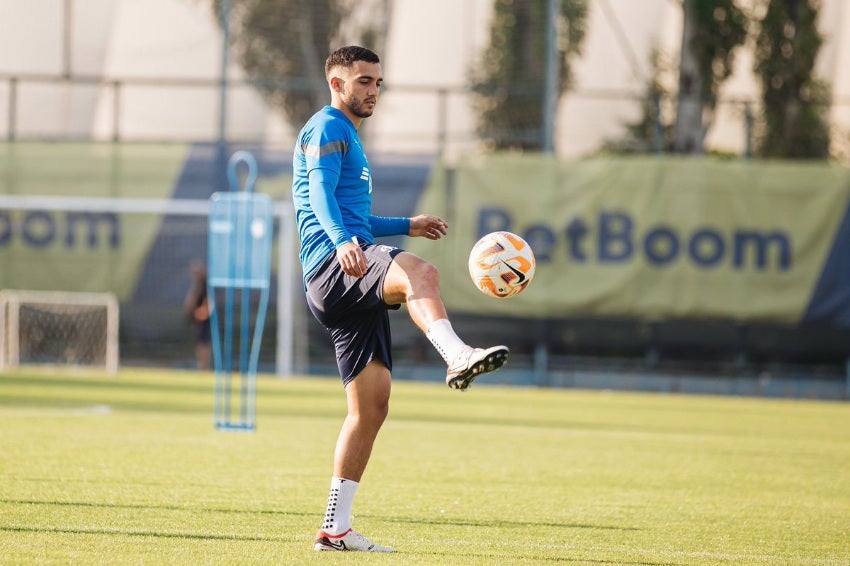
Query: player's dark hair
x=348, y=55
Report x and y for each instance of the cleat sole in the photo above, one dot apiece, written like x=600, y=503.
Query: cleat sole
x=491, y=362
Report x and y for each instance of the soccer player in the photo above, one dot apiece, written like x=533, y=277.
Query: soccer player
x=351, y=281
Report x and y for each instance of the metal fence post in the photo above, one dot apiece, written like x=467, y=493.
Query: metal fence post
x=116, y=111
x=13, y=108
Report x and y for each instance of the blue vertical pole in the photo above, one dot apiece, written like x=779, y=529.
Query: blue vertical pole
x=244, y=337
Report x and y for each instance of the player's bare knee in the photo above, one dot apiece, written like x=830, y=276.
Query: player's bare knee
x=375, y=414
x=427, y=276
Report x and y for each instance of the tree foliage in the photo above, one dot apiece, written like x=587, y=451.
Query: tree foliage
x=650, y=132
x=717, y=29
x=282, y=45
x=721, y=27
x=795, y=103
x=793, y=120
x=510, y=78
x=712, y=30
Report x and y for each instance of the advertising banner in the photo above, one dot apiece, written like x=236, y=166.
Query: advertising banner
x=132, y=254
x=649, y=237
x=652, y=238
x=74, y=250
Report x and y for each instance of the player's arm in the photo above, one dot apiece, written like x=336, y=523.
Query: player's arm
x=326, y=208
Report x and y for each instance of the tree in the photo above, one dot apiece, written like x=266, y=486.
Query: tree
x=711, y=32
x=509, y=80
x=282, y=45
x=651, y=132
x=795, y=103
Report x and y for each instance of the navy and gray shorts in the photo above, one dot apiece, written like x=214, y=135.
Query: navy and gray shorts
x=353, y=310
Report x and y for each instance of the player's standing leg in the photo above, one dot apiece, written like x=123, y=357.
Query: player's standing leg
x=368, y=397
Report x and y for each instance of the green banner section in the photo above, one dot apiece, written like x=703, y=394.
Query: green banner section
x=70, y=250
x=648, y=237
x=90, y=169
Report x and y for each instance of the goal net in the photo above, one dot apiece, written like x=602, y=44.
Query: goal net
x=58, y=328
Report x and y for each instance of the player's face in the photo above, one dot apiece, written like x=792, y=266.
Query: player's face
x=360, y=88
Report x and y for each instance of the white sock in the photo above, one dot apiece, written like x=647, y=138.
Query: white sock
x=340, y=500
x=443, y=337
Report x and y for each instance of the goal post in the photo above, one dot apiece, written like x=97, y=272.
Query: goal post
x=58, y=328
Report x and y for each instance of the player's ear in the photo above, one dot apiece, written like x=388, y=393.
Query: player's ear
x=336, y=84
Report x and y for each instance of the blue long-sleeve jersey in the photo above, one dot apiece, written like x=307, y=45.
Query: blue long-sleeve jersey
x=332, y=190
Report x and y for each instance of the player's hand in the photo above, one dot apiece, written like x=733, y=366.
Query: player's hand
x=428, y=226
x=352, y=259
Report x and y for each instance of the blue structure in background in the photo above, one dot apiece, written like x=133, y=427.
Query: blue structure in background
x=239, y=264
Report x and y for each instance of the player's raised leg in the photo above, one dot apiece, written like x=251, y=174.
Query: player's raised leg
x=414, y=281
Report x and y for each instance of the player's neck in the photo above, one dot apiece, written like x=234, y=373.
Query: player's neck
x=356, y=120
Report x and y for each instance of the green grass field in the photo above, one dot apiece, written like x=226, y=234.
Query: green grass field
x=130, y=470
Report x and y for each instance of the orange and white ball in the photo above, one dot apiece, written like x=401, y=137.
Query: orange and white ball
x=501, y=264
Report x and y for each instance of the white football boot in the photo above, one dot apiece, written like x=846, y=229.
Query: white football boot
x=349, y=540
x=472, y=362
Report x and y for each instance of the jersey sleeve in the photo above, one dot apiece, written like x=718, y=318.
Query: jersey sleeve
x=324, y=151
x=389, y=226
x=325, y=206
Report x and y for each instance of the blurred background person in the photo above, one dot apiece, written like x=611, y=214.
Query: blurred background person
x=196, y=307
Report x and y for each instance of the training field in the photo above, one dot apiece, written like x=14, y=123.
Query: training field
x=130, y=470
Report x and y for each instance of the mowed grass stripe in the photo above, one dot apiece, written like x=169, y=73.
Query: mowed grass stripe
x=129, y=469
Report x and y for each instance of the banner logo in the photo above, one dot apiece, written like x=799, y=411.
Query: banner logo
x=614, y=237
x=42, y=229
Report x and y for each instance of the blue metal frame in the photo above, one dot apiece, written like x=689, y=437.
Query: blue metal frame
x=239, y=260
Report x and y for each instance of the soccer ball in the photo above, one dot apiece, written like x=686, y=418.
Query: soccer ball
x=501, y=264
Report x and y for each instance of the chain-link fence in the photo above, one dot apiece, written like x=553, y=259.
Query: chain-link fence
x=41, y=107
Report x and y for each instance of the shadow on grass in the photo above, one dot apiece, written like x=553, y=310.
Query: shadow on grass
x=249, y=538
x=413, y=521
x=498, y=558
x=128, y=533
